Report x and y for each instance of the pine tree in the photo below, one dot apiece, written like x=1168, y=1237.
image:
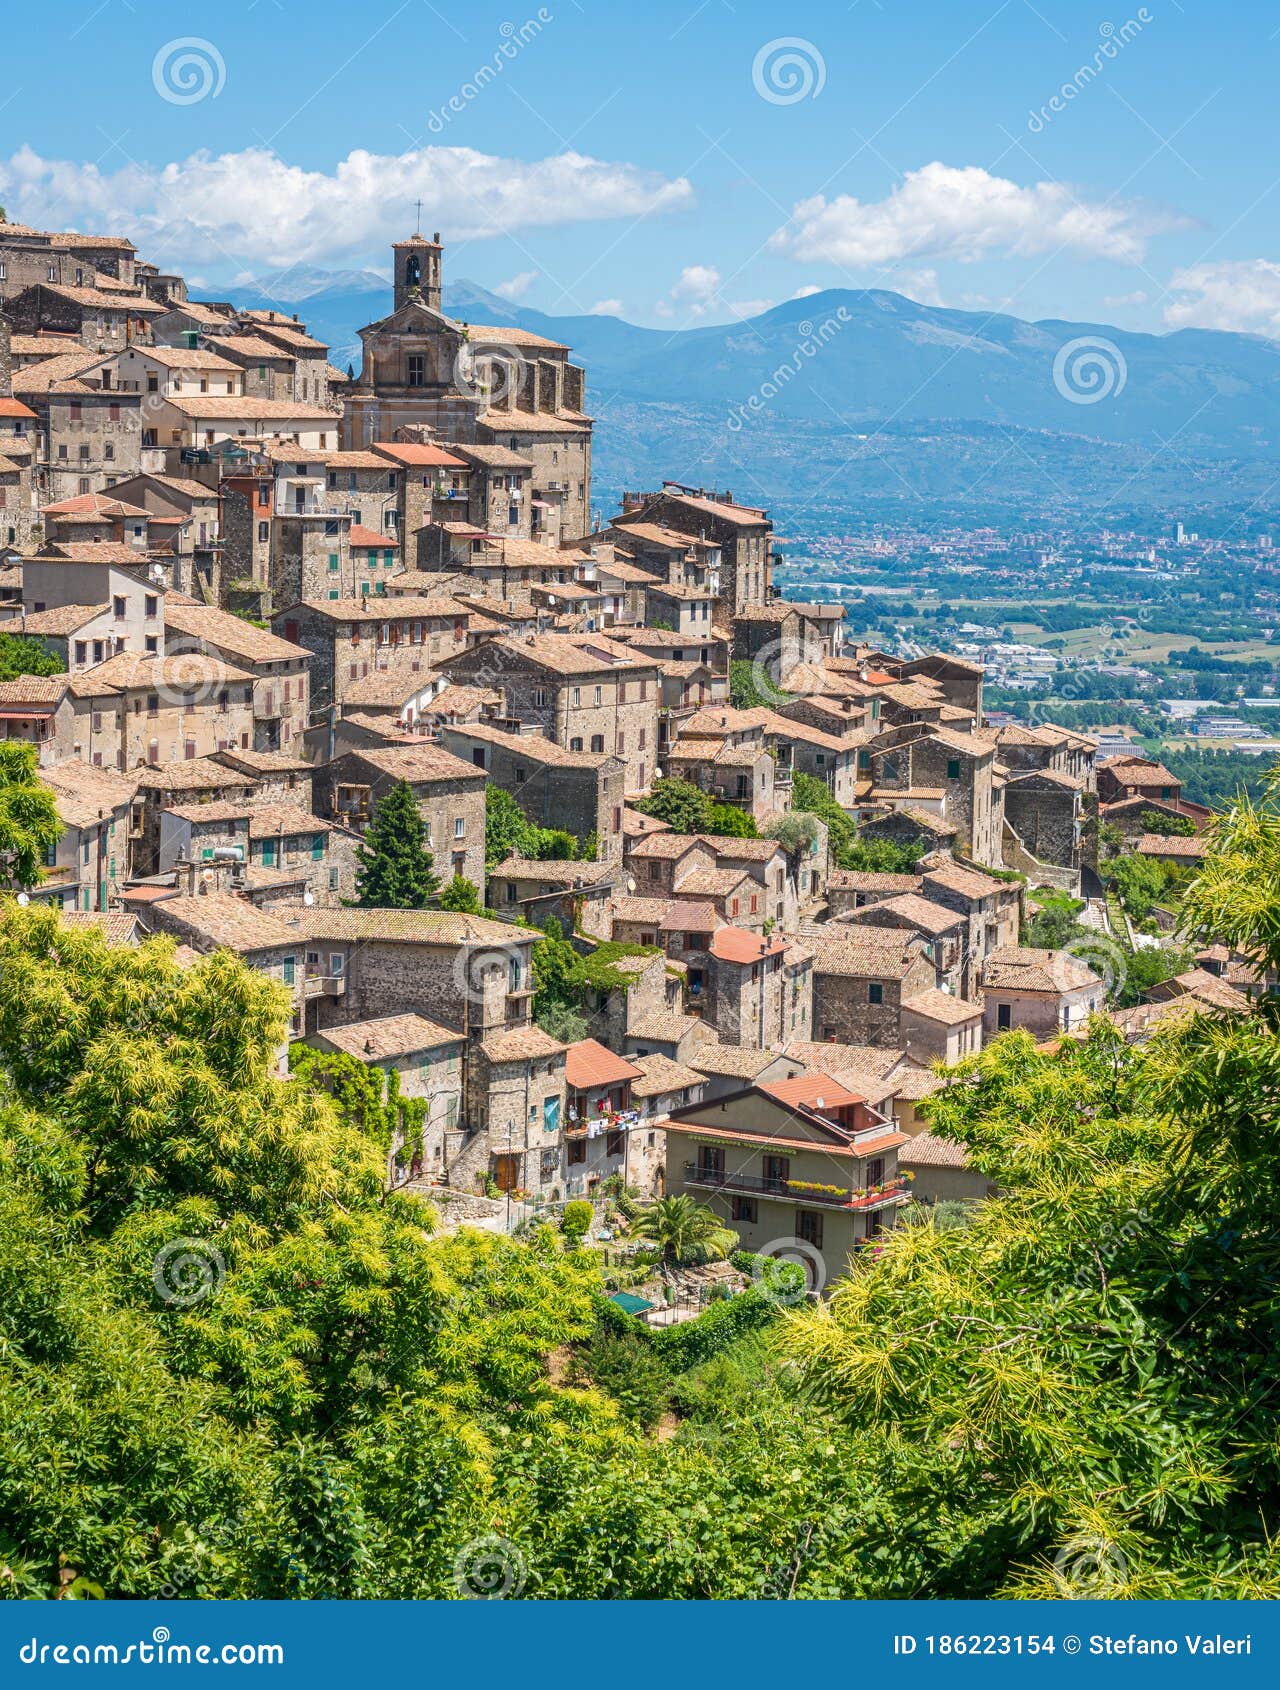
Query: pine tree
x=396, y=871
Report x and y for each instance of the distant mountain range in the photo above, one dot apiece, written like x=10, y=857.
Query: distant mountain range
x=847, y=397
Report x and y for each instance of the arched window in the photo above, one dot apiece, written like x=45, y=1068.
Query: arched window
x=413, y=271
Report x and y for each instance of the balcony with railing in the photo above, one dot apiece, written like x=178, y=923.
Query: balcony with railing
x=885, y=1194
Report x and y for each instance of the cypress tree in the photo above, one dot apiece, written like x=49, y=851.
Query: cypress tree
x=396, y=870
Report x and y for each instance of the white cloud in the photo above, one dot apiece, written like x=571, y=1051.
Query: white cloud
x=235, y=211
x=518, y=286
x=1240, y=294
x=922, y=286
x=807, y=292
x=698, y=284
x=966, y=214
x=1118, y=301
x=748, y=307
x=606, y=308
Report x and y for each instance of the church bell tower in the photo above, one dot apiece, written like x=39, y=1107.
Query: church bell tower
x=417, y=270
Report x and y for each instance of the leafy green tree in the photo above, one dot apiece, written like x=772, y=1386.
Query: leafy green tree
x=461, y=896
x=677, y=802
x=508, y=831
x=559, y=979
x=795, y=831
x=21, y=655
x=395, y=867
x=29, y=824
x=731, y=822
x=554, y=844
x=576, y=1220
x=746, y=691
x=684, y=1231
x=1168, y=827
x=1140, y=883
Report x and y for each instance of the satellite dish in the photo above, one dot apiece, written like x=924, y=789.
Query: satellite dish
x=308, y=898
x=23, y=899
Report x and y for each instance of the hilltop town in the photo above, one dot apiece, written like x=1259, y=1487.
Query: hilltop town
x=789, y=877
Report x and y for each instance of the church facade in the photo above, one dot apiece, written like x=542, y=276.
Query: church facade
x=426, y=377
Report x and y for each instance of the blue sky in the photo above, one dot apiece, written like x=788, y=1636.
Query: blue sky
x=677, y=162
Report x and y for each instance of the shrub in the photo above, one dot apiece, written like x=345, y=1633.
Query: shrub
x=575, y=1223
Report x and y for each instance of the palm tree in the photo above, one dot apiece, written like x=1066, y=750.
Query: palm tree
x=685, y=1231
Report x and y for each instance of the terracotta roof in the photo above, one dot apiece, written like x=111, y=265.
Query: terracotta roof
x=521, y=1044
x=367, y=538
x=815, y=1091
x=942, y=1006
x=194, y=774
x=927, y=1150
x=118, y=927
x=664, y=1026
x=1023, y=968
x=230, y=633
x=588, y=1064
x=188, y=358
x=859, y=880
x=738, y=1062
x=424, y=761
x=84, y=793
x=61, y=620
x=734, y=944
x=413, y=454
x=868, y=952
x=968, y=882
x=659, y=1075
x=14, y=408
x=186, y=672
x=234, y=405
x=535, y=747
x=420, y=927
x=555, y=872
x=535, y=422
x=1191, y=846
x=94, y=504
x=920, y=912
x=389, y=1036
x=636, y=825
x=230, y=923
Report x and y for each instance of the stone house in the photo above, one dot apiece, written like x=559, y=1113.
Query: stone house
x=580, y=791
x=102, y=321
x=727, y=1069
x=946, y=773
x=200, y=780
x=19, y=512
x=427, y=1061
x=55, y=714
x=88, y=866
x=91, y=438
x=945, y=933
x=267, y=835
x=806, y=1160
x=159, y=709
x=214, y=921
x=759, y=991
x=861, y=976
x=600, y=1115
x=574, y=893
x=278, y=667
x=516, y=1111
x=938, y=1026
x=1044, y=823
x=449, y=793
x=351, y=638
x=584, y=691
x=857, y=889
x=367, y=487
x=1041, y=992
x=993, y=907
x=742, y=533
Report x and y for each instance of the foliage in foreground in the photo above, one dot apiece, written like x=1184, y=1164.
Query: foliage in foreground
x=1070, y=1394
